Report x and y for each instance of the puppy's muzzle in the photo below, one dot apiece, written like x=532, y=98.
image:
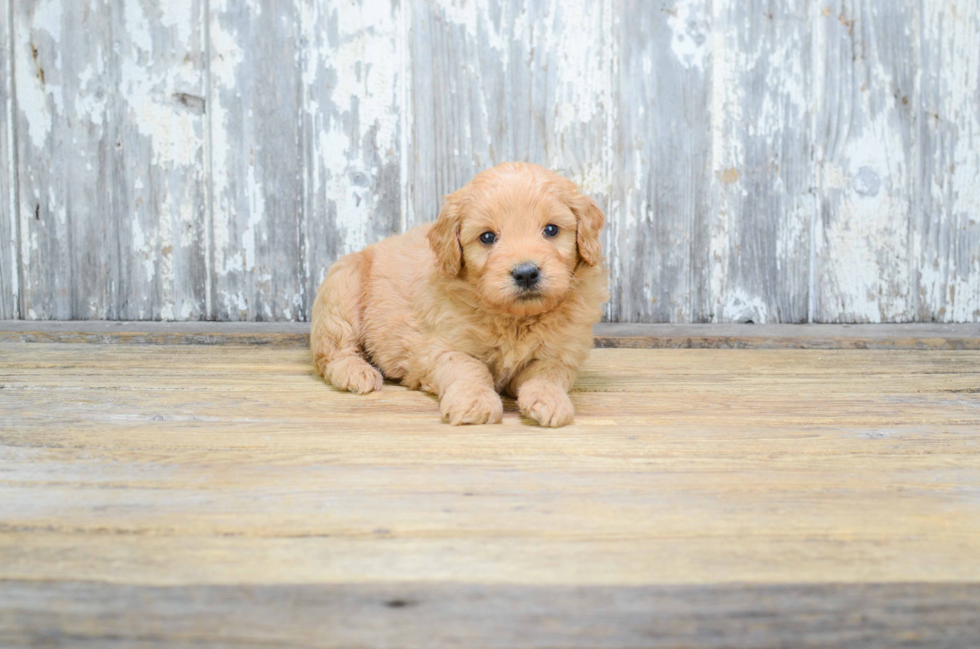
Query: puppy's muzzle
x=526, y=276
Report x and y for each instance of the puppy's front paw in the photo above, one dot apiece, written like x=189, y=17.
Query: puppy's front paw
x=546, y=403
x=471, y=404
x=354, y=374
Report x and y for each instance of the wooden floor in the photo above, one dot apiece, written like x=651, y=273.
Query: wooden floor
x=155, y=495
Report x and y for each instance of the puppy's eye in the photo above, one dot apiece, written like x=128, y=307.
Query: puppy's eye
x=488, y=238
x=550, y=230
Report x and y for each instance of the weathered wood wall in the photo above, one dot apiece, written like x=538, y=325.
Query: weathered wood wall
x=758, y=160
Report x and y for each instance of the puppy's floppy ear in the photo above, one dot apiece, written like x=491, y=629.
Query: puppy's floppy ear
x=444, y=236
x=590, y=221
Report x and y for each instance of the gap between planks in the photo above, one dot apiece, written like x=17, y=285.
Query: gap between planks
x=607, y=335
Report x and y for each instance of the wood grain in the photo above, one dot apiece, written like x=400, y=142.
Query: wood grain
x=9, y=241
x=947, y=226
x=658, y=229
x=938, y=616
x=763, y=493
x=111, y=135
x=354, y=83
x=865, y=56
x=607, y=335
x=510, y=81
x=157, y=175
x=256, y=121
x=761, y=161
x=758, y=161
x=63, y=72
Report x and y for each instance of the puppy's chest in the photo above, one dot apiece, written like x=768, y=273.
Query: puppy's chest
x=508, y=350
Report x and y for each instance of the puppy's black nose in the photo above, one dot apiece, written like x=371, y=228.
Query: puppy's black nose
x=526, y=275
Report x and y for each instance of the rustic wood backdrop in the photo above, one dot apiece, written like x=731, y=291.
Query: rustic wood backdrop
x=758, y=160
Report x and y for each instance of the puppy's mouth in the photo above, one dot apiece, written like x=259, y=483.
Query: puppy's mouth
x=529, y=296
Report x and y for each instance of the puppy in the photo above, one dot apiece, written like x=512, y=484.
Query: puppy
x=499, y=294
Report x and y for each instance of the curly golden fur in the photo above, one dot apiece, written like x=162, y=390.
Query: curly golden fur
x=465, y=318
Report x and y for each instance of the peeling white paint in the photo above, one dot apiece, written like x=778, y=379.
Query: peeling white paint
x=365, y=66
x=9, y=157
x=868, y=241
x=869, y=261
x=33, y=94
x=726, y=146
x=144, y=248
x=949, y=252
x=581, y=66
x=256, y=215
x=176, y=134
x=688, y=22
x=739, y=306
x=226, y=58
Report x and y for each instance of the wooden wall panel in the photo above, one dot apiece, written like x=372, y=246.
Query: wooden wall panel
x=513, y=80
x=947, y=224
x=353, y=80
x=658, y=231
x=111, y=135
x=157, y=193
x=62, y=71
x=9, y=288
x=865, y=55
x=758, y=161
x=256, y=121
x=761, y=162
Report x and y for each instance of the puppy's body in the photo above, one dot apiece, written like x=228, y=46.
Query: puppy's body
x=439, y=309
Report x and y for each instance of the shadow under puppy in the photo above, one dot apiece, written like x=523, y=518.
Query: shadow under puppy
x=499, y=294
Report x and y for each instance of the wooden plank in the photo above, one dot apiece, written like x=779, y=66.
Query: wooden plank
x=157, y=173
x=111, y=152
x=865, y=57
x=658, y=228
x=256, y=121
x=229, y=496
x=62, y=60
x=282, y=334
x=510, y=81
x=353, y=80
x=721, y=336
x=638, y=336
x=761, y=161
x=947, y=225
x=708, y=446
x=9, y=241
x=454, y=615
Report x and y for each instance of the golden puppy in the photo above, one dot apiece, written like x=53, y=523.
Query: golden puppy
x=498, y=295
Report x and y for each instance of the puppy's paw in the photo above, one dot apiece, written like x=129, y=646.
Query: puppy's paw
x=546, y=403
x=354, y=374
x=471, y=404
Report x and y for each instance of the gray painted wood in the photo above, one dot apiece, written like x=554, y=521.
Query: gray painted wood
x=256, y=123
x=761, y=164
x=513, y=80
x=92, y=614
x=865, y=55
x=920, y=336
x=353, y=84
x=113, y=181
x=9, y=302
x=946, y=232
x=763, y=161
x=659, y=224
x=62, y=72
x=157, y=184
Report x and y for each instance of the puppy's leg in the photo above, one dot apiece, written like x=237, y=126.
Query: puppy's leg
x=335, y=336
x=541, y=389
x=465, y=389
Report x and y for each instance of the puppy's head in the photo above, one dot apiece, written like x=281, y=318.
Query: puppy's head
x=516, y=233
